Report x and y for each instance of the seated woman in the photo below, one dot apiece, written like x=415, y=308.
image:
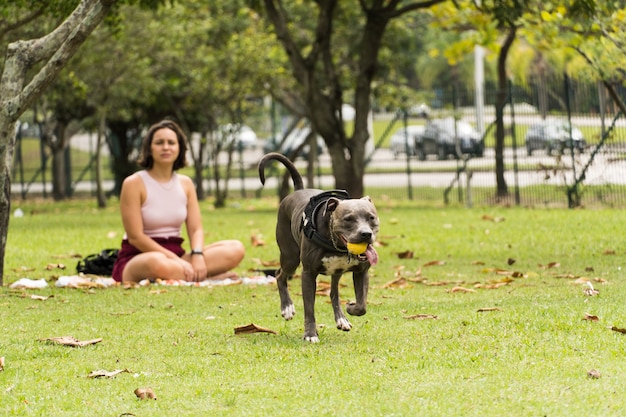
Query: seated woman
x=154, y=204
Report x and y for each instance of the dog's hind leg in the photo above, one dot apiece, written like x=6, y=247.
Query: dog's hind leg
x=361, y=286
x=289, y=261
x=309, y=284
x=287, y=309
x=340, y=318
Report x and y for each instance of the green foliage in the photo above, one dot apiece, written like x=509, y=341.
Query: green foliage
x=56, y=8
x=528, y=355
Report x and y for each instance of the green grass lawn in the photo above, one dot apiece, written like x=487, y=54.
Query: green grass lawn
x=486, y=318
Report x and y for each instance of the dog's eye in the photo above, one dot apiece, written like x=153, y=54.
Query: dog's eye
x=349, y=218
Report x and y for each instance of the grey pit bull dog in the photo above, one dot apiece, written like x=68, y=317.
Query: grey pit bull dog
x=330, y=234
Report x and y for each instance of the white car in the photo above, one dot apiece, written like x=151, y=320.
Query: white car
x=292, y=142
x=402, y=142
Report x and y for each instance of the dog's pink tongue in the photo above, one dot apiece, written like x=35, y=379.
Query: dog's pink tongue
x=371, y=254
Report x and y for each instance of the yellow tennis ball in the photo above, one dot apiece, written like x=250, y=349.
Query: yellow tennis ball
x=357, y=248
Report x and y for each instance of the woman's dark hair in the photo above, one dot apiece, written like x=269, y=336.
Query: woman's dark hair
x=145, y=158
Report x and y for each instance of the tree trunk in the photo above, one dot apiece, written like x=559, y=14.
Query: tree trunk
x=7, y=145
x=59, y=190
x=121, y=148
x=17, y=93
x=100, y=196
x=198, y=167
x=322, y=90
x=501, y=186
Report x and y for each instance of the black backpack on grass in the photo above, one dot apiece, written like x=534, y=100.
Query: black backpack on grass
x=98, y=263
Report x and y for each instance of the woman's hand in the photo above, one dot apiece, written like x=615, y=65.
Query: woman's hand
x=199, y=266
x=188, y=271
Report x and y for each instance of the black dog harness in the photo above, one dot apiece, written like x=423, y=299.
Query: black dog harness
x=310, y=212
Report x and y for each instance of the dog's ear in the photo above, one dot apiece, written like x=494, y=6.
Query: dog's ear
x=331, y=205
x=367, y=197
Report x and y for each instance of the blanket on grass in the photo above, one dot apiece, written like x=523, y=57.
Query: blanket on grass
x=93, y=281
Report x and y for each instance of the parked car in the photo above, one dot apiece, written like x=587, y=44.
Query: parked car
x=440, y=138
x=242, y=135
x=420, y=110
x=292, y=142
x=403, y=140
x=554, y=135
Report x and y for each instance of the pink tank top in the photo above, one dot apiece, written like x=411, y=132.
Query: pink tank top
x=165, y=208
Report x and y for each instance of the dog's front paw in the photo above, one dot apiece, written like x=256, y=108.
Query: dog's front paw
x=355, y=310
x=288, y=312
x=312, y=339
x=344, y=324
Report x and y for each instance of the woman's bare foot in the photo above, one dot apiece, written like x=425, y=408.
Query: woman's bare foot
x=224, y=275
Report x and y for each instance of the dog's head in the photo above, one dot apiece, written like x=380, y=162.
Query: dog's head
x=355, y=221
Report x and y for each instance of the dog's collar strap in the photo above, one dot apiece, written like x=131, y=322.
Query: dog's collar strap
x=310, y=212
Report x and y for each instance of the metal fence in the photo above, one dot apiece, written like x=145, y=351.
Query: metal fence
x=563, y=177
x=594, y=175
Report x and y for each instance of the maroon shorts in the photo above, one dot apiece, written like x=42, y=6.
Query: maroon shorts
x=128, y=251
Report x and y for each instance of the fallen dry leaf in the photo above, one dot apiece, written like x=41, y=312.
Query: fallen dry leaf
x=500, y=281
x=70, y=341
x=478, y=263
x=322, y=288
x=567, y=276
x=618, y=329
x=396, y=283
x=505, y=280
x=461, y=289
x=591, y=317
x=491, y=286
x=1, y=363
x=257, y=240
x=33, y=296
x=550, y=265
x=40, y=297
x=408, y=254
x=252, y=328
x=50, y=267
x=106, y=374
x=609, y=252
x=487, y=217
x=593, y=374
x=68, y=255
x=484, y=309
x=321, y=285
x=435, y=263
x=421, y=317
x=145, y=394
x=323, y=292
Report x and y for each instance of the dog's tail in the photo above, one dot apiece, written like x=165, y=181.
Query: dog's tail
x=295, y=175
